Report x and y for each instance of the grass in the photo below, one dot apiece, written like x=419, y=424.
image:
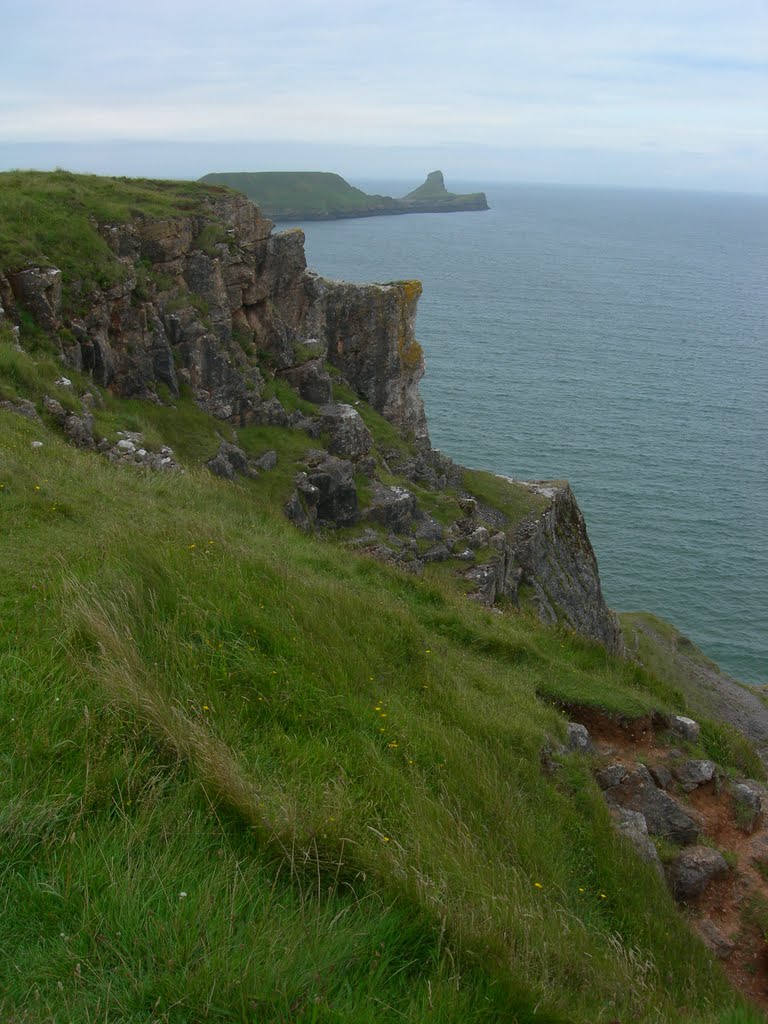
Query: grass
x=246, y=776
x=54, y=213
x=300, y=193
x=515, y=500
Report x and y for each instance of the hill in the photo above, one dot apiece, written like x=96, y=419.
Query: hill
x=286, y=693
x=314, y=195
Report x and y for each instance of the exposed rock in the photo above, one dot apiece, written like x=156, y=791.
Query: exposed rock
x=556, y=559
x=220, y=465
x=611, y=775
x=78, y=429
x=266, y=461
x=577, y=739
x=747, y=803
x=684, y=727
x=348, y=435
x=336, y=503
x=692, y=870
x=309, y=424
x=427, y=467
x=22, y=407
x=129, y=450
x=271, y=414
x=394, y=507
x=665, y=817
x=467, y=555
x=662, y=776
x=633, y=826
x=301, y=507
x=428, y=528
x=54, y=408
x=715, y=939
x=692, y=774
x=438, y=553
x=311, y=380
x=230, y=460
x=370, y=332
x=758, y=850
x=479, y=538
x=38, y=289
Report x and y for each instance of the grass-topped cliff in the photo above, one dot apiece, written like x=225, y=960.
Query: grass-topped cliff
x=250, y=773
x=316, y=195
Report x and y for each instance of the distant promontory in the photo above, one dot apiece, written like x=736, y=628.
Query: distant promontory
x=317, y=195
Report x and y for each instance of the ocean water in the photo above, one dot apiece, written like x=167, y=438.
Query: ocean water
x=619, y=339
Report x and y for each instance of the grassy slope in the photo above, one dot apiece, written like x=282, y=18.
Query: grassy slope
x=311, y=192
x=250, y=776
x=46, y=218
x=337, y=764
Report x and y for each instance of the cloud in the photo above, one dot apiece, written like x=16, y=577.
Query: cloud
x=676, y=76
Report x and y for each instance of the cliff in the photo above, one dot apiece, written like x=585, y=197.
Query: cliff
x=256, y=738
x=215, y=302
x=316, y=195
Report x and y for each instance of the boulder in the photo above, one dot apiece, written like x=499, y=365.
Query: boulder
x=483, y=579
x=692, y=774
x=394, y=507
x=438, y=553
x=715, y=939
x=38, y=289
x=337, y=503
x=610, y=776
x=271, y=414
x=577, y=739
x=633, y=826
x=692, y=870
x=665, y=817
x=747, y=800
x=219, y=465
x=348, y=435
x=22, y=407
x=684, y=727
x=428, y=528
x=301, y=507
x=479, y=538
x=230, y=460
x=79, y=430
x=266, y=461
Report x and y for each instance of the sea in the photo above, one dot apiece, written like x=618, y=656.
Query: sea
x=616, y=338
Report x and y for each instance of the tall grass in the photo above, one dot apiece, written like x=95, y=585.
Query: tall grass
x=249, y=776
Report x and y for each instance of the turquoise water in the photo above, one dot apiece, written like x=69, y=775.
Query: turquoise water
x=616, y=338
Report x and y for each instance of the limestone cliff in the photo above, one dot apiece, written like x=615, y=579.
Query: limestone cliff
x=214, y=303
x=213, y=299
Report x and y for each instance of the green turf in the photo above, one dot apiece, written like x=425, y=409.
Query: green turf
x=337, y=763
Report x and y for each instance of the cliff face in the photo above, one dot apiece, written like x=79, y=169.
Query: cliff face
x=212, y=299
x=557, y=561
x=216, y=303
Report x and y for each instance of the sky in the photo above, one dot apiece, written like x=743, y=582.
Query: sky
x=663, y=93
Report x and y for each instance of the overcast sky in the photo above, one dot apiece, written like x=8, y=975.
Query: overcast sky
x=658, y=92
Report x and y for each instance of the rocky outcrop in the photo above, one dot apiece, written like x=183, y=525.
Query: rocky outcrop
x=216, y=305
x=201, y=301
x=692, y=870
x=637, y=791
x=551, y=553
